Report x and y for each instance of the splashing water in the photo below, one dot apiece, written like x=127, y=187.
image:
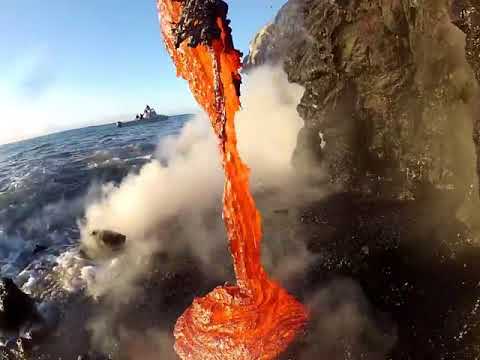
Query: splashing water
x=256, y=319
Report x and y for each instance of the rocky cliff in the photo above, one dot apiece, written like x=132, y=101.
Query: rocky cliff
x=387, y=87
x=466, y=15
x=391, y=116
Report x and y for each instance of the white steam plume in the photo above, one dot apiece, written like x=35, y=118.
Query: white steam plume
x=190, y=184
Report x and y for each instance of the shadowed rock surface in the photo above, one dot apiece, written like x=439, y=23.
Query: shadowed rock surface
x=387, y=279
x=420, y=274
x=466, y=15
x=391, y=86
x=272, y=43
x=111, y=239
x=198, y=21
x=387, y=86
x=16, y=308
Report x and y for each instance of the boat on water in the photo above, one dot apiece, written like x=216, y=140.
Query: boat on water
x=149, y=115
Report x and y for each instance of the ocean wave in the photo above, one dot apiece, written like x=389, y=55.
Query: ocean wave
x=45, y=182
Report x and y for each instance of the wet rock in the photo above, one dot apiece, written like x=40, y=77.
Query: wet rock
x=14, y=349
x=466, y=15
x=109, y=239
x=39, y=249
x=16, y=308
x=92, y=356
x=415, y=263
x=22, y=323
x=46, y=322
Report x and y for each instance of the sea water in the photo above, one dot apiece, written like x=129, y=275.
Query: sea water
x=45, y=183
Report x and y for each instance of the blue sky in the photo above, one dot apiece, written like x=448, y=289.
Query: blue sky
x=70, y=63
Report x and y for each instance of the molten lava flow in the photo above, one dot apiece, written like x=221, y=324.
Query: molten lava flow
x=256, y=319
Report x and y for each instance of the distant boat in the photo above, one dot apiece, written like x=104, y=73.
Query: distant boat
x=149, y=115
x=158, y=118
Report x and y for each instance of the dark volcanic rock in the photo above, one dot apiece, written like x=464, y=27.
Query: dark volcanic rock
x=272, y=43
x=419, y=270
x=386, y=85
x=466, y=15
x=102, y=244
x=390, y=86
x=16, y=307
x=197, y=23
x=111, y=239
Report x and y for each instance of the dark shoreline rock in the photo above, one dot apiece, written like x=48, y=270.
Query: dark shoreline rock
x=407, y=272
x=392, y=87
x=418, y=271
x=391, y=245
x=111, y=239
x=23, y=323
x=16, y=307
x=466, y=15
x=102, y=244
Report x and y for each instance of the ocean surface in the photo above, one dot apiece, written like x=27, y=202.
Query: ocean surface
x=45, y=183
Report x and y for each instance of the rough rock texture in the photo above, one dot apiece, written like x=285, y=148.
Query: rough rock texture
x=197, y=23
x=16, y=307
x=111, y=239
x=391, y=85
x=466, y=15
x=387, y=85
x=103, y=244
x=387, y=280
x=272, y=43
x=418, y=267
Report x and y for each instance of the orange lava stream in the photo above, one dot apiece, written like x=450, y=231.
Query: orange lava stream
x=257, y=318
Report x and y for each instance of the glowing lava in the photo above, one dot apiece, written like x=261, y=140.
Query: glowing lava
x=256, y=319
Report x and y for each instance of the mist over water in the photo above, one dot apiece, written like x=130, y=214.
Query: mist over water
x=46, y=182
x=184, y=184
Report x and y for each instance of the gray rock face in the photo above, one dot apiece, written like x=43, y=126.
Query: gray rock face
x=388, y=87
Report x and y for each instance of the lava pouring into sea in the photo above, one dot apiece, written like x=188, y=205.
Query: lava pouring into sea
x=256, y=318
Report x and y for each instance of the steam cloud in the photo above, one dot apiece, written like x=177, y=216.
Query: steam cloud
x=173, y=206
x=186, y=180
